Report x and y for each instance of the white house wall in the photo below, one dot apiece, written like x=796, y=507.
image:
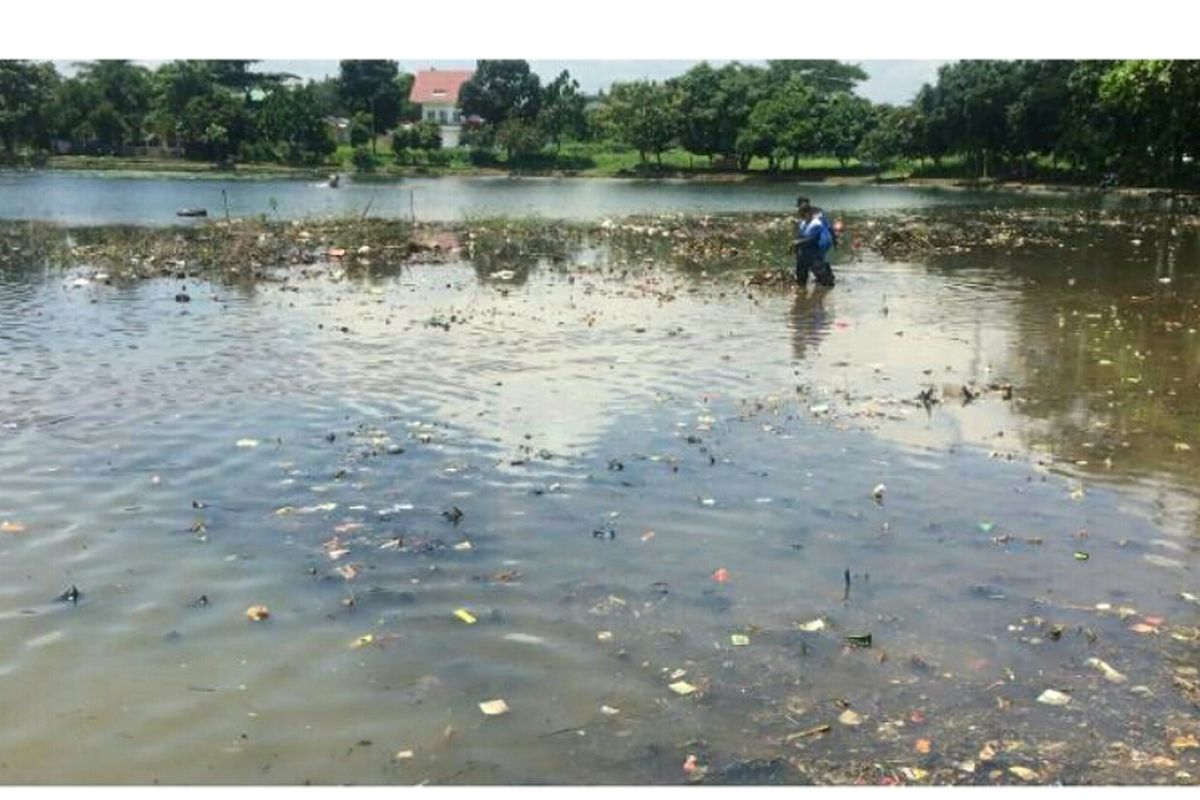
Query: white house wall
x=443, y=114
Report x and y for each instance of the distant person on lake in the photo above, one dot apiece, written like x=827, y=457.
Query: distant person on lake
x=815, y=237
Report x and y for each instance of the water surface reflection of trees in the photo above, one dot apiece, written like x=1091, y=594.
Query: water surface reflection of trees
x=1107, y=350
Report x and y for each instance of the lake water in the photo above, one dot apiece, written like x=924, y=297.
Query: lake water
x=96, y=198
x=649, y=460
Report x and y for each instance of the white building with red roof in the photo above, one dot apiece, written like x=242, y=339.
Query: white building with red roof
x=436, y=92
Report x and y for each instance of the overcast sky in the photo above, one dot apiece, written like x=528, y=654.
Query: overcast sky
x=889, y=82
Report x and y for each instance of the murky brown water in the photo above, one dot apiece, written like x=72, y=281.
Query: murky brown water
x=614, y=435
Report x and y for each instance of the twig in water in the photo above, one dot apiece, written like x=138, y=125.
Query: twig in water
x=561, y=731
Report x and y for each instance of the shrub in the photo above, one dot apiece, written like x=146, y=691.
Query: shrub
x=363, y=160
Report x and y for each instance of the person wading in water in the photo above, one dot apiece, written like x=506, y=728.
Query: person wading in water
x=815, y=237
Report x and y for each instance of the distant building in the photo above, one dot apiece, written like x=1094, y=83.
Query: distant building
x=436, y=92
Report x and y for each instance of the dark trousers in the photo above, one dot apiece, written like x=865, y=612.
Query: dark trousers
x=811, y=260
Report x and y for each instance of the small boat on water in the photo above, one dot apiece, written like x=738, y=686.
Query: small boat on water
x=192, y=212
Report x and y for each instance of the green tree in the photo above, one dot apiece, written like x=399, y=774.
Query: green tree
x=409, y=111
x=520, y=138
x=372, y=88
x=700, y=97
x=894, y=134
x=969, y=107
x=715, y=104
x=822, y=76
x=364, y=160
x=843, y=120
x=292, y=118
x=784, y=124
x=121, y=96
x=1034, y=118
x=214, y=126
x=1088, y=134
x=235, y=76
x=26, y=93
x=328, y=100
x=501, y=89
x=1157, y=106
x=176, y=84
x=362, y=130
x=741, y=89
x=427, y=135
x=645, y=116
x=561, y=111
x=408, y=140
x=74, y=102
x=405, y=142
x=935, y=125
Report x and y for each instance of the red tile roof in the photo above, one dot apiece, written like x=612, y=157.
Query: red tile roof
x=438, y=85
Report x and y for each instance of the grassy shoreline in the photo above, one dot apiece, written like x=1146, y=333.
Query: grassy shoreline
x=822, y=174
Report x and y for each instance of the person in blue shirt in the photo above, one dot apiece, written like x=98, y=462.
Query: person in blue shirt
x=815, y=237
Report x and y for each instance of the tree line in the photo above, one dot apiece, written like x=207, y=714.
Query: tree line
x=205, y=110
x=1139, y=120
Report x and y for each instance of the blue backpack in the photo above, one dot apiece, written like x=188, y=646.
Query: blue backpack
x=827, y=238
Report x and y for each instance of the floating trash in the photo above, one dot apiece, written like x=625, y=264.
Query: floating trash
x=1053, y=697
x=494, y=708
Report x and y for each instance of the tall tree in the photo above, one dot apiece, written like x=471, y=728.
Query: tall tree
x=893, y=134
x=176, y=84
x=520, y=138
x=215, y=125
x=501, y=89
x=741, y=88
x=784, y=124
x=372, y=87
x=26, y=93
x=293, y=119
x=700, y=98
x=1158, y=103
x=843, y=121
x=125, y=92
x=935, y=124
x=562, y=109
x=645, y=116
x=970, y=106
x=1088, y=133
x=409, y=112
x=325, y=95
x=1034, y=117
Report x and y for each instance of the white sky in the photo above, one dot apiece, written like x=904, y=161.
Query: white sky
x=891, y=81
x=898, y=44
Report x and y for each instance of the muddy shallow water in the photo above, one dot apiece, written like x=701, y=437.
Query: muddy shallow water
x=615, y=467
